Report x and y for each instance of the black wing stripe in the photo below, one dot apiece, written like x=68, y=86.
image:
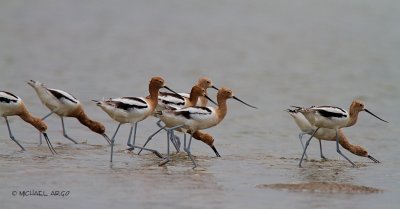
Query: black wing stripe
x=136, y=99
x=125, y=106
x=7, y=100
x=58, y=95
x=328, y=114
x=187, y=114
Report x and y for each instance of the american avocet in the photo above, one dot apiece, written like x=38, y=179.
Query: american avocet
x=174, y=102
x=178, y=103
x=65, y=105
x=333, y=118
x=327, y=135
x=11, y=105
x=133, y=110
x=198, y=118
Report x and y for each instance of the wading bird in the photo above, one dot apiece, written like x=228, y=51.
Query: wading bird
x=327, y=135
x=333, y=118
x=64, y=104
x=11, y=105
x=199, y=118
x=170, y=102
x=182, y=100
x=133, y=110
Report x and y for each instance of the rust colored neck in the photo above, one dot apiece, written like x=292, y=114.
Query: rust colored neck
x=33, y=120
x=355, y=149
x=207, y=139
x=193, y=98
x=222, y=107
x=86, y=121
x=353, y=115
x=153, y=97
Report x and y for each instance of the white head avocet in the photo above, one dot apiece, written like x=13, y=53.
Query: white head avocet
x=133, y=110
x=64, y=104
x=175, y=102
x=327, y=135
x=198, y=118
x=12, y=105
x=333, y=118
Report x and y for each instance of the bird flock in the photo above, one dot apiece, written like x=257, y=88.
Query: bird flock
x=187, y=113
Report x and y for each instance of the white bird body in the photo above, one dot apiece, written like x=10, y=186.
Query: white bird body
x=333, y=118
x=10, y=104
x=64, y=104
x=58, y=101
x=327, y=117
x=133, y=110
x=193, y=118
x=127, y=109
x=306, y=127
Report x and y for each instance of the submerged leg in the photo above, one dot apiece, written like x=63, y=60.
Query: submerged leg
x=11, y=136
x=112, y=142
x=340, y=152
x=65, y=133
x=305, y=148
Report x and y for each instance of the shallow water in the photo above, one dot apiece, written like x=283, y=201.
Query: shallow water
x=272, y=54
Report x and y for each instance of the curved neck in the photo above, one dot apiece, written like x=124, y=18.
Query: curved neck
x=357, y=150
x=34, y=121
x=203, y=137
x=353, y=116
x=153, y=97
x=86, y=121
x=222, y=107
x=193, y=98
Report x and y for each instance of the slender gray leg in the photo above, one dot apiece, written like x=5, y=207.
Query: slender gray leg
x=166, y=160
x=302, y=144
x=174, y=138
x=175, y=141
x=40, y=139
x=340, y=152
x=305, y=148
x=65, y=133
x=11, y=136
x=112, y=142
x=134, y=138
x=187, y=150
x=129, y=138
x=46, y=116
x=159, y=124
x=320, y=150
x=150, y=137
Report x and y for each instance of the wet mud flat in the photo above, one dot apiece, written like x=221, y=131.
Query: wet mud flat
x=322, y=187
